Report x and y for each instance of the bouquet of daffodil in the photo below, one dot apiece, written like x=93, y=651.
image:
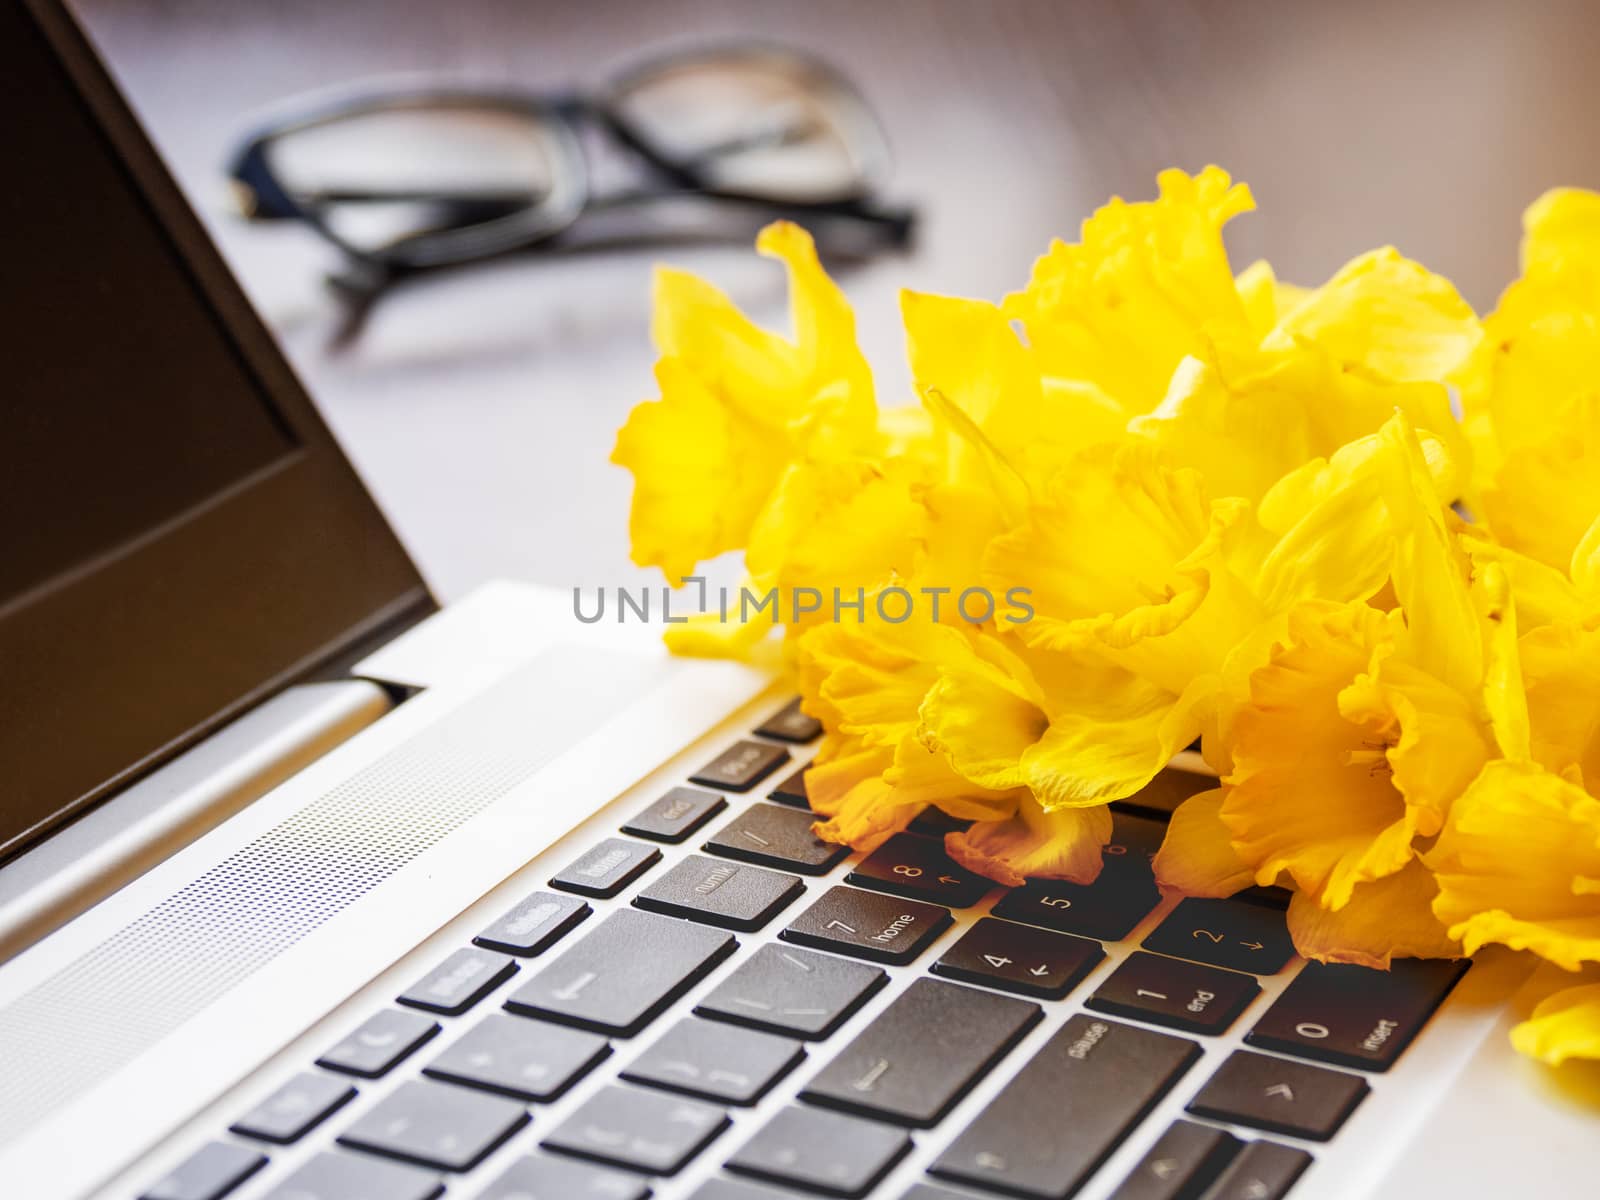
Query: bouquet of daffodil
x=1220, y=507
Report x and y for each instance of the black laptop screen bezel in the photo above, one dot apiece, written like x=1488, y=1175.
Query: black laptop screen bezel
x=112, y=669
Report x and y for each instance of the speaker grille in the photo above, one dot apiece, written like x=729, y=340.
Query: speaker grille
x=142, y=983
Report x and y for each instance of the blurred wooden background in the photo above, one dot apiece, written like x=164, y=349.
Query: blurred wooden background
x=480, y=407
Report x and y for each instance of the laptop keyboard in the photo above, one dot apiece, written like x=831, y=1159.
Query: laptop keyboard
x=572, y=986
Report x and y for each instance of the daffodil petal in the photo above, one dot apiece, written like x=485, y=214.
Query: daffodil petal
x=1562, y=668
x=1065, y=844
x=1565, y=1024
x=1347, y=823
x=702, y=472
x=1197, y=857
x=1385, y=918
x=982, y=723
x=1110, y=736
x=1266, y=298
x=1388, y=314
x=1140, y=289
x=1515, y=863
x=867, y=815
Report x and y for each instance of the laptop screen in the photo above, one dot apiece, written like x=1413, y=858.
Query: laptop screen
x=136, y=407
x=148, y=465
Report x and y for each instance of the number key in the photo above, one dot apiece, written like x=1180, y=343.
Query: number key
x=1225, y=933
x=1180, y=995
x=1354, y=1016
x=918, y=867
x=1121, y=896
x=867, y=925
x=1106, y=909
x=1017, y=958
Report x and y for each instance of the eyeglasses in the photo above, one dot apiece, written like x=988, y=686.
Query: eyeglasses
x=408, y=182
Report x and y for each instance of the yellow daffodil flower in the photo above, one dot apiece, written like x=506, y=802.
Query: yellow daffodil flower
x=1138, y=292
x=1357, y=735
x=1529, y=394
x=1518, y=862
x=1232, y=505
x=738, y=405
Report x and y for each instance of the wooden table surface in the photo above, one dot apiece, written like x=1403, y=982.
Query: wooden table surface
x=480, y=407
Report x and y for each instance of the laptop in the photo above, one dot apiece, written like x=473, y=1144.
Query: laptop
x=311, y=891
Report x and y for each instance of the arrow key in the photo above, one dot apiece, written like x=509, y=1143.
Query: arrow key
x=918, y=867
x=1019, y=958
x=1279, y=1096
x=1263, y=1171
x=1234, y=934
x=1183, y=1161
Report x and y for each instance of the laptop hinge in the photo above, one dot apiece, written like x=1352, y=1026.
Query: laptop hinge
x=117, y=841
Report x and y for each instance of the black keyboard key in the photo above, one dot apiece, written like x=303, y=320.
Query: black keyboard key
x=1134, y=842
x=776, y=837
x=1020, y=958
x=607, y=869
x=1181, y=995
x=637, y=1129
x=1106, y=910
x=792, y=790
x=1272, y=897
x=788, y=990
x=741, y=766
x=339, y=1176
x=918, y=867
x=731, y=895
x=923, y=1053
x=534, y=925
x=789, y=724
x=1263, y=1171
x=1353, y=1016
x=702, y=1058
x=1073, y=1103
x=1234, y=934
x=676, y=815
x=436, y=1125
x=935, y=823
x=821, y=1152
x=529, y=1060
x=1279, y=1096
x=619, y=977
x=739, y=1189
x=932, y=1191
x=549, y=1177
x=1184, y=1160
x=210, y=1173
x=459, y=982
x=382, y=1040
x=295, y=1108
x=884, y=929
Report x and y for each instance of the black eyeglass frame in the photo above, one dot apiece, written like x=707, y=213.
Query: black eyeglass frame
x=562, y=117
